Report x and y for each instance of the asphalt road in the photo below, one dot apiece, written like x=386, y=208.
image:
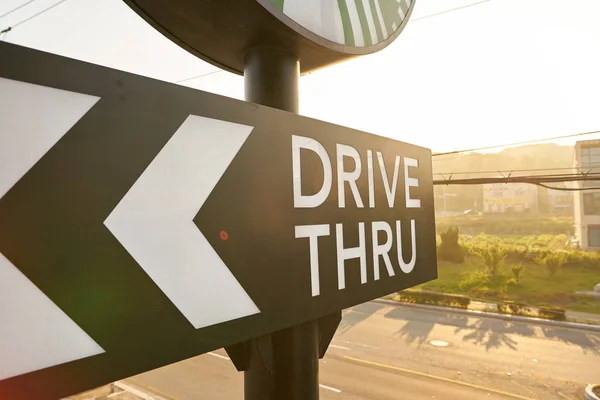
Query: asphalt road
x=383, y=352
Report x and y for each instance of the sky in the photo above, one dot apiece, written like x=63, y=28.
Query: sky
x=499, y=72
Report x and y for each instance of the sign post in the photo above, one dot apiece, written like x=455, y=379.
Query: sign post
x=282, y=364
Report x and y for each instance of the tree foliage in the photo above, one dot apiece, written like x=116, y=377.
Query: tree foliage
x=450, y=248
x=492, y=257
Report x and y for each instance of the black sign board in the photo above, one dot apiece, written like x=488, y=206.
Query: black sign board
x=142, y=223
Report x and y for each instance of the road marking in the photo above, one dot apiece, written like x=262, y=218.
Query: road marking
x=137, y=392
x=219, y=356
x=524, y=387
x=438, y=343
x=158, y=392
x=439, y=378
x=340, y=347
x=168, y=396
x=565, y=396
x=360, y=344
x=330, y=388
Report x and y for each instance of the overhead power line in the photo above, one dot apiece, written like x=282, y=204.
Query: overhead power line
x=33, y=16
x=411, y=20
x=199, y=76
x=539, y=180
x=450, y=10
x=513, y=171
x=565, y=189
x=16, y=8
x=516, y=143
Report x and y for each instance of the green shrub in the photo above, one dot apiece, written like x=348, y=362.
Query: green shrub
x=492, y=257
x=450, y=249
x=554, y=313
x=433, y=298
x=586, y=259
x=515, y=308
x=517, y=270
x=552, y=261
x=473, y=280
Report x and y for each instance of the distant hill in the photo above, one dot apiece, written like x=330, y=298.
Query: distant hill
x=525, y=157
x=463, y=197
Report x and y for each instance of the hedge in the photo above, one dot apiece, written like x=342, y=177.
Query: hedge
x=433, y=298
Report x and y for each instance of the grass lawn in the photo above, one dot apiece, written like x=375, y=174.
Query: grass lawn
x=535, y=288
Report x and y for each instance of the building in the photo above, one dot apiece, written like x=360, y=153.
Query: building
x=560, y=201
x=587, y=202
x=509, y=197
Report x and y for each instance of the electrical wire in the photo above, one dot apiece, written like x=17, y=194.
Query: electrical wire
x=567, y=189
x=508, y=172
x=4, y=33
x=33, y=16
x=516, y=143
x=540, y=179
x=200, y=76
x=411, y=20
x=16, y=8
x=450, y=10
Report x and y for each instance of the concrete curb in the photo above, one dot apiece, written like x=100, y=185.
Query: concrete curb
x=589, y=395
x=506, y=317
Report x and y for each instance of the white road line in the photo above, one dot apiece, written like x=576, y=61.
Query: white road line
x=360, y=344
x=219, y=356
x=340, y=347
x=330, y=388
x=139, y=393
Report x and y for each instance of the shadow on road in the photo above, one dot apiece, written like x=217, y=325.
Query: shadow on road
x=415, y=331
x=588, y=341
x=486, y=332
x=355, y=315
x=493, y=334
x=419, y=324
x=490, y=333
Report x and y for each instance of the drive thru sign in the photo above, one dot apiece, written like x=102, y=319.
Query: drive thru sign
x=142, y=223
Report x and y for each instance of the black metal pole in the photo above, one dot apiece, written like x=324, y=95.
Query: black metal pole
x=283, y=364
x=271, y=78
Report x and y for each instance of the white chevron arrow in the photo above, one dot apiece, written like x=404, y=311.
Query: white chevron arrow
x=154, y=222
x=34, y=332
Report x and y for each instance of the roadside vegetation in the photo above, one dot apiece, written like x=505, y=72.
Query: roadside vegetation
x=534, y=270
x=508, y=224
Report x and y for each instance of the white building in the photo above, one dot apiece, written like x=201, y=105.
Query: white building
x=561, y=201
x=587, y=202
x=509, y=197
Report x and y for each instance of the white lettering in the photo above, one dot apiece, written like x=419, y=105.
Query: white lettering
x=312, y=232
x=381, y=249
x=350, y=177
x=315, y=200
x=410, y=182
x=406, y=268
x=370, y=176
x=390, y=193
x=347, y=254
